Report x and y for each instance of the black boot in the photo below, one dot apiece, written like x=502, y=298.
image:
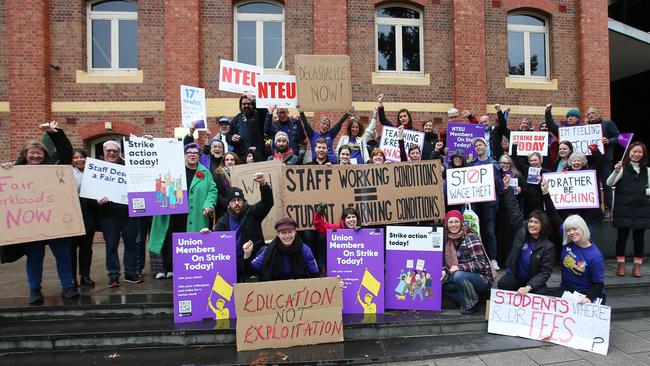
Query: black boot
x=86, y=281
x=70, y=293
x=35, y=296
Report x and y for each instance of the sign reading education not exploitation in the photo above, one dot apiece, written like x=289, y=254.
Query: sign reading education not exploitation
x=390, y=141
x=102, y=179
x=529, y=142
x=278, y=90
x=575, y=189
x=238, y=78
x=38, y=203
x=551, y=319
x=583, y=136
x=324, y=82
x=470, y=184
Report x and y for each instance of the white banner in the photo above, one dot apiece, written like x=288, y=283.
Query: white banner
x=277, y=90
x=389, y=141
x=102, y=179
x=529, y=142
x=193, y=106
x=583, y=136
x=577, y=189
x=238, y=78
x=550, y=319
x=471, y=184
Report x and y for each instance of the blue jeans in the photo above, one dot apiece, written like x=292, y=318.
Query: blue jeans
x=113, y=226
x=36, y=252
x=464, y=288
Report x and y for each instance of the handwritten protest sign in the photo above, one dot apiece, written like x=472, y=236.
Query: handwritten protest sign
x=383, y=194
x=241, y=176
x=155, y=172
x=102, y=179
x=193, y=106
x=583, y=136
x=324, y=82
x=470, y=184
x=551, y=319
x=238, y=78
x=38, y=203
x=460, y=136
x=413, y=266
x=390, y=141
x=529, y=142
x=358, y=258
x=205, y=271
x=575, y=189
x=277, y=90
x=288, y=313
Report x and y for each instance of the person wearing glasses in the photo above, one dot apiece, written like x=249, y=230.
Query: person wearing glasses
x=505, y=231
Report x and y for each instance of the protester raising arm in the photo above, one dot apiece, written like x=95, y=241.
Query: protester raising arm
x=403, y=116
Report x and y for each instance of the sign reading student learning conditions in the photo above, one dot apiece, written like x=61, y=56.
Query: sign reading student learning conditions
x=551, y=319
x=383, y=194
x=470, y=184
x=390, y=142
x=583, y=136
x=38, y=203
x=288, y=313
x=324, y=82
x=238, y=78
x=529, y=142
x=278, y=90
x=575, y=189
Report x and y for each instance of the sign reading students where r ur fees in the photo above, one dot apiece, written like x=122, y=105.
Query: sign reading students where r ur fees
x=238, y=78
x=324, y=82
x=470, y=184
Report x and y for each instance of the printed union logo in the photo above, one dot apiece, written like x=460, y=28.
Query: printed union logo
x=225, y=236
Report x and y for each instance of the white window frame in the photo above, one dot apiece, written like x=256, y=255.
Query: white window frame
x=259, y=20
x=398, y=23
x=114, y=17
x=527, y=30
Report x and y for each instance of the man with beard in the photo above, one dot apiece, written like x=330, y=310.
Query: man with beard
x=247, y=128
x=246, y=221
x=493, y=134
x=282, y=151
x=291, y=127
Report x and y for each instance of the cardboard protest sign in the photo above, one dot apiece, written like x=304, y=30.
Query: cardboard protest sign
x=193, y=106
x=551, y=319
x=574, y=189
x=39, y=203
x=241, y=176
x=529, y=142
x=460, y=136
x=470, y=184
x=155, y=172
x=205, y=272
x=324, y=82
x=413, y=266
x=583, y=136
x=358, y=258
x=277, y=90
x=238, y=78
x=390, y=141
x=102, y=179
x=383, y=194
x=289, y=313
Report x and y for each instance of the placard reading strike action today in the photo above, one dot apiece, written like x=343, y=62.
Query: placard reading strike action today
x=383, y=194
x=470, y=184
x=390, y=141
x=529, y=142
x=574, y=189
x=551, y=319
x=460, y=136
x=103, y=179
x=583, y=136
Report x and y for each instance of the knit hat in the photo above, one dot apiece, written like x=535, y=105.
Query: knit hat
x=477, y=139
x=224, y=121
x=459, y=153
x=454, y=213
x=233, y=193
x=281, y=135
x=453, y=112
x=573, y=113
x=285, y=223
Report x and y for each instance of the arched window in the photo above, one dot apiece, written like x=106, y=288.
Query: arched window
x=259, y=34
x=399, y=40
x=528, y=46
x=112, y=28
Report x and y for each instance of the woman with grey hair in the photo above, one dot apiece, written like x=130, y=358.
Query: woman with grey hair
x=579, y=162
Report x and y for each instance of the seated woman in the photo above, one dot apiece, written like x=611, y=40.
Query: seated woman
x=350, y=219
x=466, y=272
x=530, y=262
x=286, y=257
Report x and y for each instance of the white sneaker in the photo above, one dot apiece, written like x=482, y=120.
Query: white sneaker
x=495, y=265
x=170, y=274
x=160, y=276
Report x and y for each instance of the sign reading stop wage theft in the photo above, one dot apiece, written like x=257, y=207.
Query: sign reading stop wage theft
x=470, y=184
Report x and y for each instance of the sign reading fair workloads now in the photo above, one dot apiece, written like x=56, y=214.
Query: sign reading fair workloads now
x=383, y=194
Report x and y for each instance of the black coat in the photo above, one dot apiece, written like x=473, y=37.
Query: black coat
x=631, y=204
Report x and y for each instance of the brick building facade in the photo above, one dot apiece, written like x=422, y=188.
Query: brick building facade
x=44, y=71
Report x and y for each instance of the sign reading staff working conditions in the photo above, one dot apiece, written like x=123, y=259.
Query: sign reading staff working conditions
x=576, y=189
x=383, y=194
x=470, y=184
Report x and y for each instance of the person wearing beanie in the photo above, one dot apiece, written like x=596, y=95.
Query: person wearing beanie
x=283, y=152
x=572, y=116
x=286, y=257
x=453, y=114
x=292, y=127
x=246, y=221
x=466, y=273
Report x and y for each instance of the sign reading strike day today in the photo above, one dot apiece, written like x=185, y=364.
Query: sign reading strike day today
x=155, y=172
x=205, y=272
x=583, y=136
x=460, y=136
x=103, y=179
x=390, y=141
x=413, y=267
x=324, y=82
x=38, y=203
x=529, y=142
x=551, y=319
x=238, y=78
x=575, y=189
x=288, y=313
x=383, y=194
x=193, y=106
x=279, y=90
x=358, y=258
x=470, y=184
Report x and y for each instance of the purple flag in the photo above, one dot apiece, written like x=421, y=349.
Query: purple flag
x=625, y=138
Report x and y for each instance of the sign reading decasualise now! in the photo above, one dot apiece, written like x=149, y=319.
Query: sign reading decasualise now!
x=324, y=82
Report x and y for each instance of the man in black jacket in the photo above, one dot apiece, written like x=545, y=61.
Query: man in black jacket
x=247, y=128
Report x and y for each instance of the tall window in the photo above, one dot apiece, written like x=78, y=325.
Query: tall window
x=112, y=35
x=528, y=46
x=399, y=40
x=259, y=34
